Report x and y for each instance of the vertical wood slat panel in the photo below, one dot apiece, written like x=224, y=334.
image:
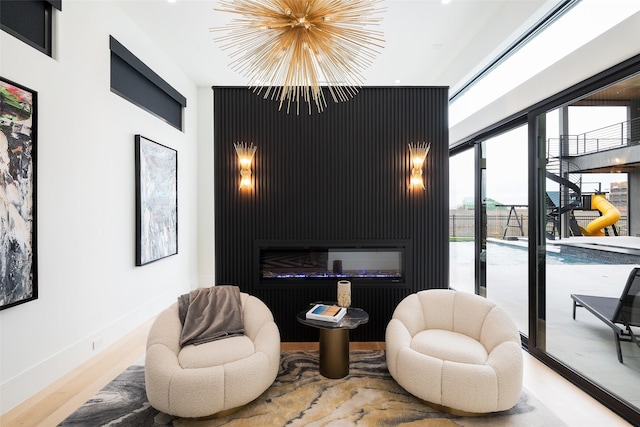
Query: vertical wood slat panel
x=340, y=175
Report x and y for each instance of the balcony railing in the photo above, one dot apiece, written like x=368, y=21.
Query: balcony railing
x=606, y=138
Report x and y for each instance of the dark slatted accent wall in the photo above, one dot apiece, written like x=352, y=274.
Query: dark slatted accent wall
x=341, y=175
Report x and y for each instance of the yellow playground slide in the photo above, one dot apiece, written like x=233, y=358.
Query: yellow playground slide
x=610, y=215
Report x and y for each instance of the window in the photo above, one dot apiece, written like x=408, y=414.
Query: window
x=578, y=26
x=590, y=237
x=462, y=221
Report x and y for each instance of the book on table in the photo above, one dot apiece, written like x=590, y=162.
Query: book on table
x=326, y=313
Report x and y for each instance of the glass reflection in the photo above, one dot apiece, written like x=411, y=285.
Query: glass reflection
x=592, y=146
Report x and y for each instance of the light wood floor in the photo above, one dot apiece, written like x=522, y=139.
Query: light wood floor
x=53, y=404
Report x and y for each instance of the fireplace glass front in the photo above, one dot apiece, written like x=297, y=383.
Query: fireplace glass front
x=377, y=264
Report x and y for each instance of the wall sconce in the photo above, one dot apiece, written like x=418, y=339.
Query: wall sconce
x=245, y=156
x=418, y=152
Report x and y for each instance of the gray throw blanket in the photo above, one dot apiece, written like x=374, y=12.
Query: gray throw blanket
x=209, y=314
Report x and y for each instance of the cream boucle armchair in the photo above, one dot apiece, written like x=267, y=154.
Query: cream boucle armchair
x=458, y=351
x=198, y=381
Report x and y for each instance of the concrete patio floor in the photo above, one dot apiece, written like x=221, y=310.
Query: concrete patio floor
x=585, y=344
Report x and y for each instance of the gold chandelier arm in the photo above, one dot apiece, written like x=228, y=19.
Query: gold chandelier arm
x=293, y=47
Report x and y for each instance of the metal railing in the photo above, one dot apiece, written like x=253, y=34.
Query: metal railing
x=606, y=138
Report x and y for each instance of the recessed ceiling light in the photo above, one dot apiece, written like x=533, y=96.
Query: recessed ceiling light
x=446, y=1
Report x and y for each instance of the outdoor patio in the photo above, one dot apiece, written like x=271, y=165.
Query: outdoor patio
x=585, y=344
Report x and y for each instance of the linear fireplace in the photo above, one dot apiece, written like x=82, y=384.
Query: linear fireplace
x=318, y=262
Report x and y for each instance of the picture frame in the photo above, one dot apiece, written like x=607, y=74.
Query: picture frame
x=156, y=201
x=18, y=225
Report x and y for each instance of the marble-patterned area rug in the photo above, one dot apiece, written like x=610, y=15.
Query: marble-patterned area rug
x=300, y=396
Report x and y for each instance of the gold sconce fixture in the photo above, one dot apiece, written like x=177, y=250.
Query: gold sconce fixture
x=418, y=152
x=290, y=47
x=245, y=156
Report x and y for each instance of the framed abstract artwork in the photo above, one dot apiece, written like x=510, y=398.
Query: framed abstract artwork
x=156, y=201
x=18, y=264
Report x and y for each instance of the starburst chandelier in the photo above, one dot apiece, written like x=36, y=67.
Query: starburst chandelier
x=290, y=48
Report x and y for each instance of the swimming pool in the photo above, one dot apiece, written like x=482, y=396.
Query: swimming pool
x=507, y=254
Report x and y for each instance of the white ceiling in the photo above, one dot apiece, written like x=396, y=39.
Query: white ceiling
x=427, y=43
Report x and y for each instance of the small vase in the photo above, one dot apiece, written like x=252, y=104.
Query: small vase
x=344, y=293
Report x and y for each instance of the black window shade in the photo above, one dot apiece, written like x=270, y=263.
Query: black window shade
x=139, y=84
x=30, y=21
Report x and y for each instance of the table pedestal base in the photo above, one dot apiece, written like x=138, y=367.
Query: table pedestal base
x=334, y=353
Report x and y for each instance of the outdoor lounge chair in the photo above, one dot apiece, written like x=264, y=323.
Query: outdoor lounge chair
x=619, y=314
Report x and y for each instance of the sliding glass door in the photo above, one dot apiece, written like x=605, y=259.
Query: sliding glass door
x=462, y=222
x=505, y=222
x=556, y=217
x=589, y=199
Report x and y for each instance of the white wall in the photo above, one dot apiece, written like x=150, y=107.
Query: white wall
x=88, y=284
x=206, y=240
x=609, y=49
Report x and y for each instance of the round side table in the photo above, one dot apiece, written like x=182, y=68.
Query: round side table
x=334, y=339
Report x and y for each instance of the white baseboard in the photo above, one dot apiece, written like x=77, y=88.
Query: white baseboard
x=26, y=384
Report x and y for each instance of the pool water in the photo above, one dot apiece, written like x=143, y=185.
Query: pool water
x=505, y=254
